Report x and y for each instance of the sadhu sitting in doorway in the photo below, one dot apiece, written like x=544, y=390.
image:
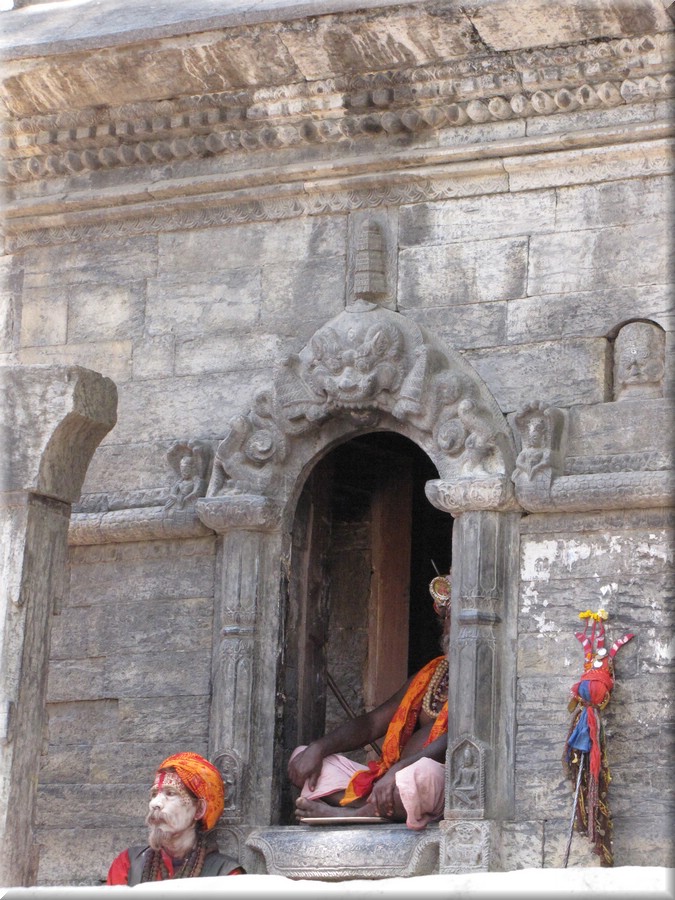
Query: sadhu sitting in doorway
x=407, y=783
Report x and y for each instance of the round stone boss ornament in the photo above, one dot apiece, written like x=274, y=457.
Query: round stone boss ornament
x=441, y=593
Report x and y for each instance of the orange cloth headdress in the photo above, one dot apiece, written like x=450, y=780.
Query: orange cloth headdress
x=201, y=778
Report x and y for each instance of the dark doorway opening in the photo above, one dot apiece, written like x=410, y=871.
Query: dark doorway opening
x=366, y=544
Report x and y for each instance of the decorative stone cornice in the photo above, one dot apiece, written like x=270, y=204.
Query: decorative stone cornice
x=488, y=88
x=425, y=175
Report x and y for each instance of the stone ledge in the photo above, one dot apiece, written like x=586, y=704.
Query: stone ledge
x=120, y=526
x=347, y=851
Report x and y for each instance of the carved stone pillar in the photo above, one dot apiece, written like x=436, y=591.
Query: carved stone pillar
x=244, y=663
x=480, y=761
x=52, y=419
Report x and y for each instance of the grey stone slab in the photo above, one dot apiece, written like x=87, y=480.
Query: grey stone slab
x=601, y=258
x=109, y=312
x=69, y=723
x=151, y=719
x=176, y=625
x=96, y=849
x=153, y=356
x=302, y=287
x=456, y=274
x=504, y=25
x=170, y=575
x=44, y=319
x=155, y=410
x=477, y=218
x=518, y=374
x=522, y=845
x=231, y=351
x=472, y=326
x=118, y=260
x=92, y=805
x=380, y=42
x=636, y=602
x=156, y=673
x=111, y=358
x=599, y=556
x=115, y=20
x=77, y=680
x=65, y=764
x=639, y=426
x=122, y=762
x=596, y=312
x=648, y=840
x=614, y=203
x=219, y=250
x=205, y=304
x=133, y=465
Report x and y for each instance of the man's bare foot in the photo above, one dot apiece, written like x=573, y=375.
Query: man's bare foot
x=318, y=809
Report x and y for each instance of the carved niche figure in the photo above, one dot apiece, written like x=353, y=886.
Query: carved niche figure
x=466, y=778
x=190, y=460
x=639, y=361
x=540, y=429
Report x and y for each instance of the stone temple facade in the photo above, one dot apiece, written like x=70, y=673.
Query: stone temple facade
x=382, y=288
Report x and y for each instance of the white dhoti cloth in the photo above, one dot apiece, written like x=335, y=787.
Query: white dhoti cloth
x=421, y=786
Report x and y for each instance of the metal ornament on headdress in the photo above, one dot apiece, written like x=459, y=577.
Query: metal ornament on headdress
x=441, y=592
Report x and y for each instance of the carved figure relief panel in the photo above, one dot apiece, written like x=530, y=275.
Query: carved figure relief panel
x=639, y=361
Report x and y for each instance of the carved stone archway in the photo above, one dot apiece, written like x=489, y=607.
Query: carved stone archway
x=368, y=369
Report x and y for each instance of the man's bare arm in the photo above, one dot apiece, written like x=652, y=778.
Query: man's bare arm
x=350, y=735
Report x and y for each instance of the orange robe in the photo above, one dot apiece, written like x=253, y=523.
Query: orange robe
x=400, y=728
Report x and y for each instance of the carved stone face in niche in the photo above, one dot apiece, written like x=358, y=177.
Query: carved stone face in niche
x=639, y=361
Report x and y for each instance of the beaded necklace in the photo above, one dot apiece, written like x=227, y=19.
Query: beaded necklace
x=155, y=869
x=437, y=692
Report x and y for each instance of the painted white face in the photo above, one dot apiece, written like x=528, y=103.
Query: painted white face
x=173, y=809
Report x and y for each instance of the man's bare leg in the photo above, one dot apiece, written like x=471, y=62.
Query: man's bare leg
x=328, y=807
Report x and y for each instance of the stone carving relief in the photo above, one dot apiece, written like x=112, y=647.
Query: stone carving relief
x=228, y=762
x=541, y=483
x=541, y=429
x=466, y=778
x=190, y=460
x=639, y=361
x=370, y=367
x=386, y=851
x=149, y=514
x=465, y=847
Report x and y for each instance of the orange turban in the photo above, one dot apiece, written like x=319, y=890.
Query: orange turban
x=201, y=778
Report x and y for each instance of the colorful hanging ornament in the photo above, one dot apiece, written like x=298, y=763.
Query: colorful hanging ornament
x=585, y=757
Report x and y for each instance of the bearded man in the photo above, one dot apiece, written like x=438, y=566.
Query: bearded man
x=407, y=783
x=186, y=800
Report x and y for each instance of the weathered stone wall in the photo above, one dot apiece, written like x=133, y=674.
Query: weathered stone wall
x=185, y=228
x=129, y=683
x=570, y=563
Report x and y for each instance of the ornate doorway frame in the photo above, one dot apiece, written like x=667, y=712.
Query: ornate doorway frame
x=368, y=369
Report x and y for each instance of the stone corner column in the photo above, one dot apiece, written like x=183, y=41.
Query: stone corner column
x=52, y=419
x=480, y=764
x=245, y=659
